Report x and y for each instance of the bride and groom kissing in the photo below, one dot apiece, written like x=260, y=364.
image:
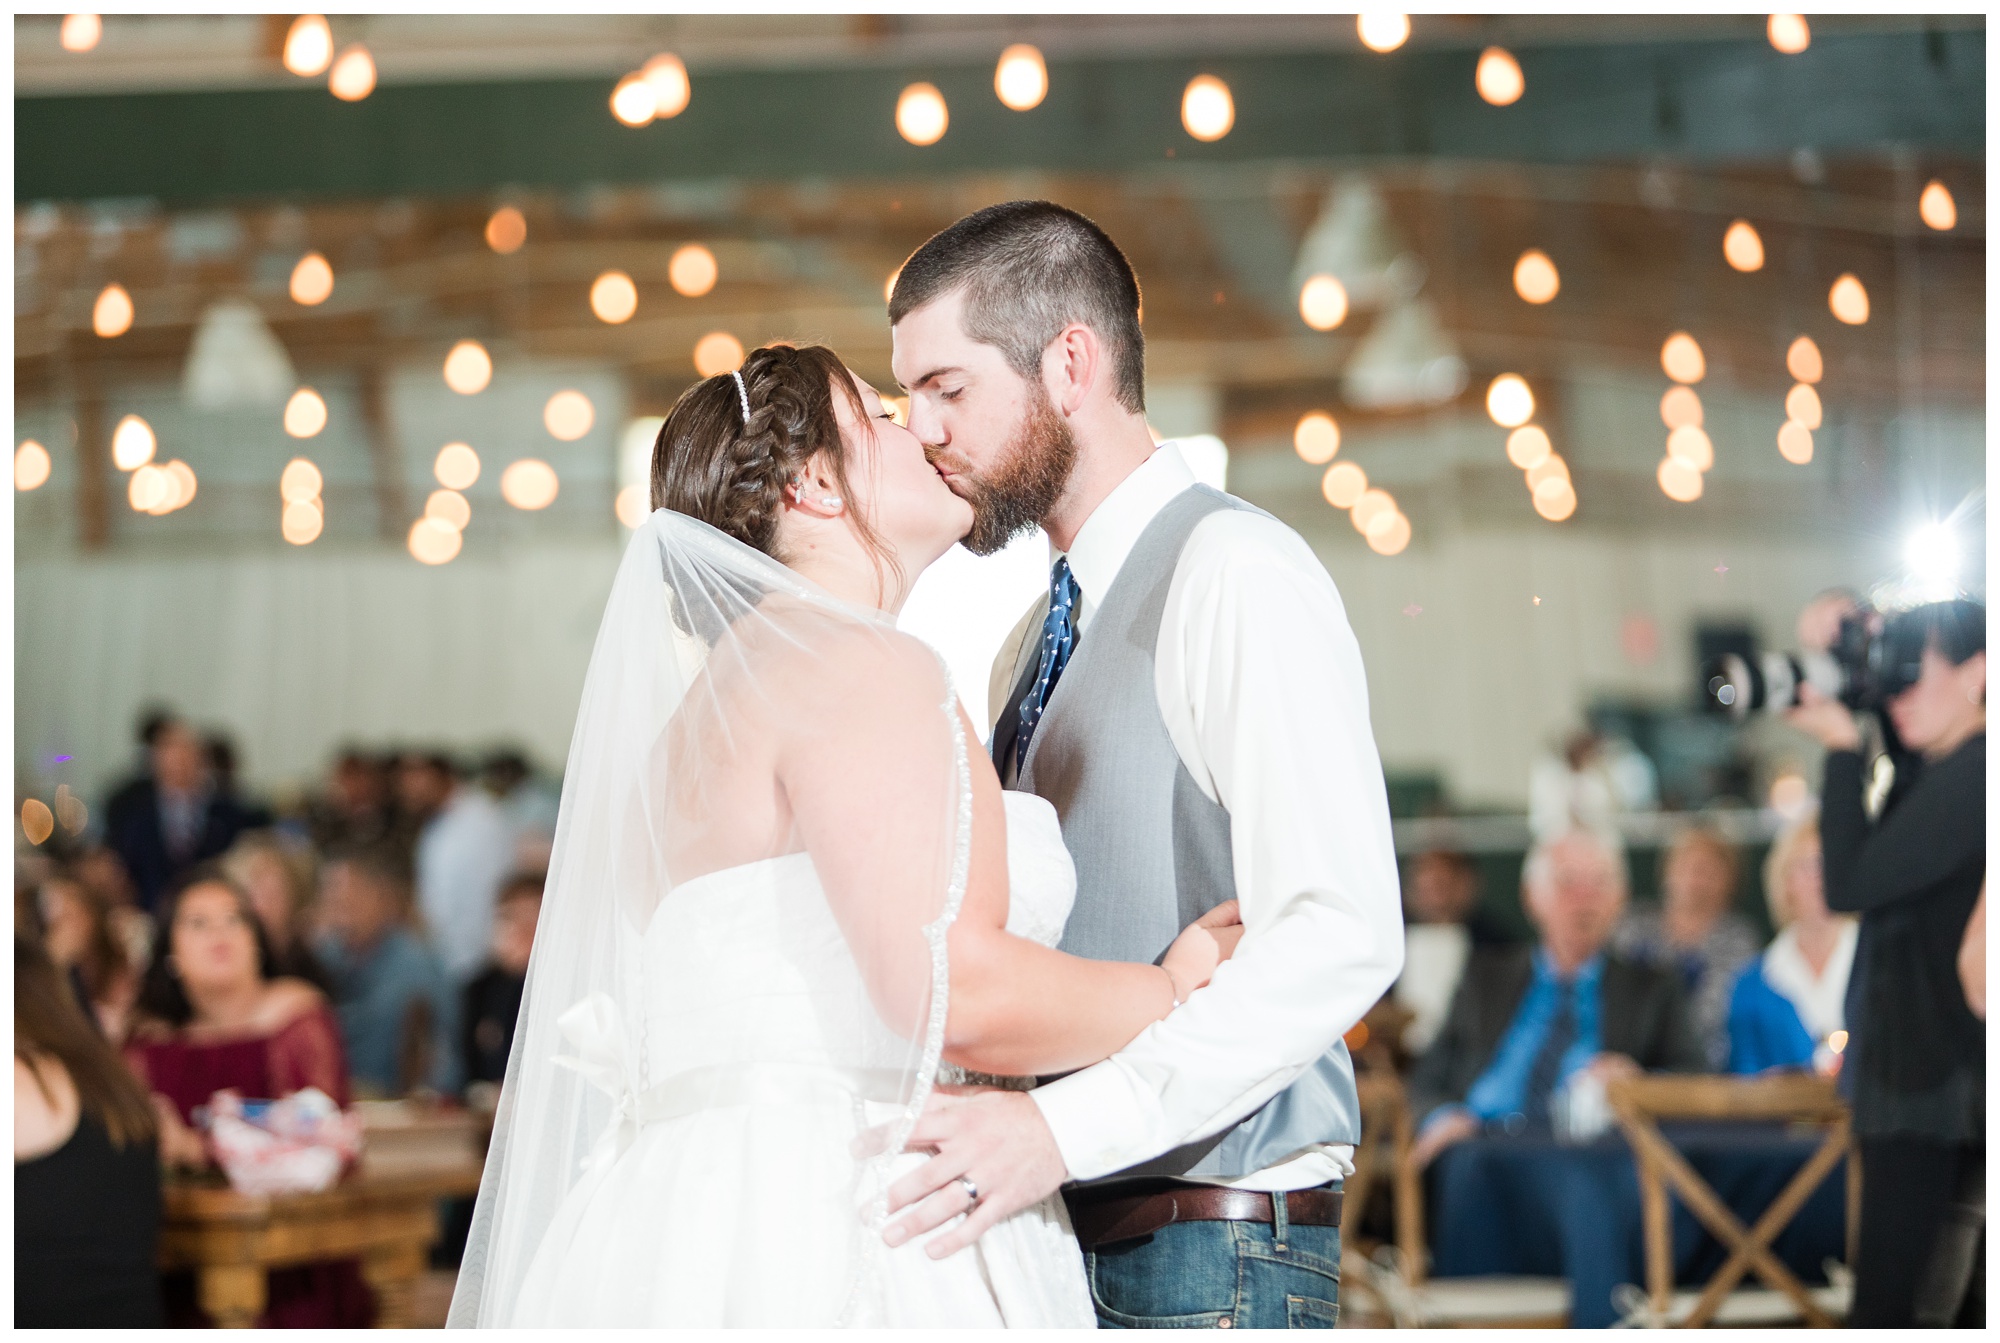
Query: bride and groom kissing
x=806, y=949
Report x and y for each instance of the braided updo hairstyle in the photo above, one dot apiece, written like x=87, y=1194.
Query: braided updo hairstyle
x=713, y=465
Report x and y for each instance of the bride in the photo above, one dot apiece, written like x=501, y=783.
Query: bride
x=788, y=901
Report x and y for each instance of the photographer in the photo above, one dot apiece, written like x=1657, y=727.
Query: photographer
x=1910, y=859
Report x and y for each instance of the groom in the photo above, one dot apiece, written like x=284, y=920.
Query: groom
x=1191, y=699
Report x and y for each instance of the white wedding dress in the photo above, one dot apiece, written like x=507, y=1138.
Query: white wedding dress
x=723, y=1196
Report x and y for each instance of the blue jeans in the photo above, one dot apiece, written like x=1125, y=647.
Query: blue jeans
x=1228, y=1275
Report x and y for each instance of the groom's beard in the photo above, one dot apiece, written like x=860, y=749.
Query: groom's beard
x=1033, y=472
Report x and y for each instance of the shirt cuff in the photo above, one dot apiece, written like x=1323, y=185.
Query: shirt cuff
x=1100, y=1117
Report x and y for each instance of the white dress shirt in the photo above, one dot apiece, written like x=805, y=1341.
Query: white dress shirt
x=1260, y=684
x=463, y=855
x=1820, y=999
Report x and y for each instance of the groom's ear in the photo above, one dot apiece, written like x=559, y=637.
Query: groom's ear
x=1072, y=366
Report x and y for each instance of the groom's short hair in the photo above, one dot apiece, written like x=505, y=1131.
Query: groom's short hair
x=1028, y=269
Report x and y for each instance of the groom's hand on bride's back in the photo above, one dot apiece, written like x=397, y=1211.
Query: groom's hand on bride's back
x=995, y=1139
x=1203, y=945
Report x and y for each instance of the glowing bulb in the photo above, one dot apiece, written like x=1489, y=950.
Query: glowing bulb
x=1535, y=276
x=1693, y=446
x=1380, y=31
x=613, y=297
x=1555, y=499
x=147, y=489
x=717, y=352
x=1528, y=447
x=468, y=368
x=1021, y=79
x=568, y=415
x=668, y=80
x=132, y=444
x=1681, y=405
x=1498, y=77
x=31, y=466
x=1509, y=401
x=1932, y=554
x=309, y=45
x=1848, y=300
x=529, y=484
x=1742, y=248
x=37, y=821
x=312, y=280
x=305, y=413
x=1373, y=505
x=1551, y=467
x=921, y=116
x=1343, y=483
x=506, y=230
x=1323, y=302
x=1837, y=1041
x=111, y=315
x=1678, y=481
x=300, y=482
x=448, y=507
x=633, y=101
x=1682, y=359
x=1802, y=404
x=1795, y=443
x=456, y=467
x=431, y=542
x=1789, y=33
x=692, y=270
x=81, y=32
x=301, y=522
x=1316, y=438
x=181, y=485
x=1207, y=108
x=353, y=76
x=1802, y=360
x=1390, y=535
x=630, y=506
x=1937, y=207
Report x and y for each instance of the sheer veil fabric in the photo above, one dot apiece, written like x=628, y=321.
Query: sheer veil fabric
x=738, y=723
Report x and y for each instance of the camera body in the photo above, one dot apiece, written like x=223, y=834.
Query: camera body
x=1876, y=656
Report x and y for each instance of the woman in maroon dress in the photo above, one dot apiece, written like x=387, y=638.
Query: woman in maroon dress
x=213, y=1017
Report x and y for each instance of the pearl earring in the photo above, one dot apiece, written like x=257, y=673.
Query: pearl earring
x=830, y=501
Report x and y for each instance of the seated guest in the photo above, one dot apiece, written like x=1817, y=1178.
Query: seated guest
x=1526, y=1020
x=279, y=882
x=212, y=1016
x=493, y=998
x=357, y=807
x=1695, y=933
x=395, y=1002
x=86, y=1167
x=1790, y=999
x=82, y=938
x=175, y=817
x=1443, y=922
x=464, y=851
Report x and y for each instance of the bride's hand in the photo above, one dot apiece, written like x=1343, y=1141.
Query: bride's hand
x=1204, y=944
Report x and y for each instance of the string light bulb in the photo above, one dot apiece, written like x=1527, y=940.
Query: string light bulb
x=717, y=353
x=1536, y=279
x=432, y=542
x=1381, y=31
x=506, y=230
x=1323, y=302
x=921, y=115
x=1848, y=301
x=1375, y=504
x=1343, y=483
x=1509, y=401
x=613, y=297
x=353, y=75
x=146, y=488
x=312, y=280
x=567, y=416
x=448, y=507
x=456, y=467
x=1551, y=467
x=692, y=270
x=1555, y=499
x=32, y=465
x=1936, y=207
x=1789, y=33
x=468, y=368
x=667, y=78
x=1499, y=78
x=1795, y=443
x=308, y=45
x=1802, y=360
x=301, y=522
x=1802, y=404
x=1316, y=438
x=633, y=101
x=300, y=482
x=1390, y=535
x=132, y=443
x=1208, y=109
x=1742, y=248
x=1021, y=79
x=1692, y=445
x=1528, y=447
x=529, y=484
x=305, y=413
x=1679, y=481
x=81, y=32
x=111, y=315
x=1682, y=359
x=1681, y=406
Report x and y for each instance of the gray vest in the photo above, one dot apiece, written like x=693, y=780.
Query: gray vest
x=1152, y=851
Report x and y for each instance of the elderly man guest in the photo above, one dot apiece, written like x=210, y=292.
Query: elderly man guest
x=1525, y=1021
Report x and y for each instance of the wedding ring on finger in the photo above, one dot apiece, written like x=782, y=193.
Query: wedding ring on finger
x=971, y=1192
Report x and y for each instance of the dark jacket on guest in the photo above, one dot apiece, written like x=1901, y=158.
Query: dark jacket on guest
x=1644, y=1015
x=1917, y=1063
x=133, y=828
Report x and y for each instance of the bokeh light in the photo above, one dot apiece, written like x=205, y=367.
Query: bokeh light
x=1789, y=33
x=1390, y=535
x=132, y=443
x=1795, y=443
x=81, y=32
x=456, y=467
x=1551, y=467
x=1680, y=405
x=1343, y=483
x=1848, y=300
x=468, y=368
x=431, y=542
x=1323, y=302
x=1535, y=276
x=180, y=488
x=1021, y=79
x=667, y=77
x=305, y=413
x=1802, y=360
x=529, y=484
x=613, y=297
x=353, y=75
x=1682, y=358
x=1678, y=481
x=1374, y=505
x=301, y=522
x=630, y=505
x=312, y=280
x=37, y=821
x=717, y=352
x=147, y=488
x=1381, y=31
x=32, y=465
x=1742, y=248
x=921, y=116
x=1936, y=207
x=1555, y=499
x=300, y=482
x=308, y=45
x=1528, y=447
x=633, y=101
x=692, y=270
x=111, y=315
x=568, y=415
x=1509, y=401
x=506, y=230
x=1802, y=404
x=448, y=507
x=1208, y=109
x=1316, y=438
x=1498, y=78
x=1692, y=445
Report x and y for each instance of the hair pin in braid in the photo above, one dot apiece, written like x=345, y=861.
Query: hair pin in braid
x=742, y=394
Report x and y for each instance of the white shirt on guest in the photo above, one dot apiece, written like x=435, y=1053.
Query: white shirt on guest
x=463, y=854
x=1260, y=684
x=1819, y=999
x=1434, y=957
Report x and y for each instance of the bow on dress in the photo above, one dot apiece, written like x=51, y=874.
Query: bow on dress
x=596, y=1028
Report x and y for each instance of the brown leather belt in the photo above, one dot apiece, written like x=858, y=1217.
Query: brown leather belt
x=1127, y=1212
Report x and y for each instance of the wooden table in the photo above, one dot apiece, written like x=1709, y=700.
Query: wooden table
x=388, y=1220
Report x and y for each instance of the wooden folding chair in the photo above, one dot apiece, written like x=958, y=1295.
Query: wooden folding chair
x=1640, y=1103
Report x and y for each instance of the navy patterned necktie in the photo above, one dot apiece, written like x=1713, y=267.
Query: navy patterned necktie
x=1058, y=642
x=1546, y=1073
